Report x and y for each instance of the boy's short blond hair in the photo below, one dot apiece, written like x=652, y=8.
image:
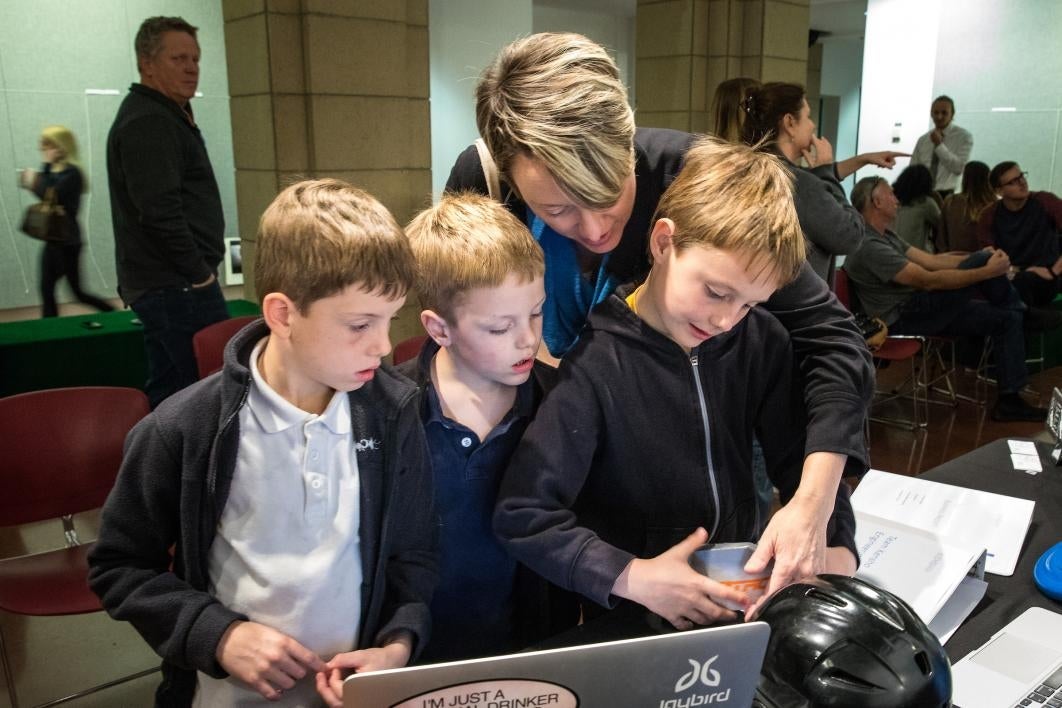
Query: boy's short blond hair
x=320, y=236
x=468, y=241
x=558, y=97
x=736, y=198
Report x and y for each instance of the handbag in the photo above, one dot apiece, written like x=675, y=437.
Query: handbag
x=45, y=220
x=874, y=330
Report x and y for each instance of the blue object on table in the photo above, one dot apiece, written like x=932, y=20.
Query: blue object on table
x=1048, y=572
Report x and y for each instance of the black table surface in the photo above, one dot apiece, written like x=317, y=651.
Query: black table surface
x=988, y=468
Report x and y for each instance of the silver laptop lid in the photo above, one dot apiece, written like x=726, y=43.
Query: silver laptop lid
x=718, y=665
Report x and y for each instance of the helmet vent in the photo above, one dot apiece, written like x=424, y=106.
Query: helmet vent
x=814, y=593
x=835, y=676
x=922, y=660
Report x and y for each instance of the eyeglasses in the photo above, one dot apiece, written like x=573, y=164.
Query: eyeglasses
x=1019, y=178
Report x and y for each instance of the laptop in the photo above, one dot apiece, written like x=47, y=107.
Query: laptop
x=1020, y=661
x=698, y=667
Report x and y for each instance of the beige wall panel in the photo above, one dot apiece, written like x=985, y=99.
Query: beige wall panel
x=700, y=28
x=252, y=132
x=403, y=192
x=785, y=30
x=752, y=28
x=356, y=56
x=255, y=189
x=753, y=68
x=790, y=70
x=664, y=29
x=393, y=10
x=235, y=9
x=292, y=141
x=663, y=83
x=716, y=74
x=417, y=12
x=247, y=55
x=407, y=322
x=247, y=251
x=719, y=12
x=700, y=94
x=417, y=64
x=678, y=120
x=288, y=6
x=285, y=53
x=700, y=122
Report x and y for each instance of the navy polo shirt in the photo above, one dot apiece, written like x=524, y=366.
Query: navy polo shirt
x=473, y=607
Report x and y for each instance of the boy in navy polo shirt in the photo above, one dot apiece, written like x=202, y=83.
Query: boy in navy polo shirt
x=270, y=528
x=481, y=288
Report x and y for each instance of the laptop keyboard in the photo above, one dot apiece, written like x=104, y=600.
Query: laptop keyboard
x=1048, y=693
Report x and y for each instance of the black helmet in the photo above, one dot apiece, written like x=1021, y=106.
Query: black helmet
x=838, y=641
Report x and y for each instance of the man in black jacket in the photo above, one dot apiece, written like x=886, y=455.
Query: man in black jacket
x=165, y=205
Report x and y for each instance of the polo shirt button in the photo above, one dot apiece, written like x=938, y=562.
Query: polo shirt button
x=316, y=484
x=466, y=442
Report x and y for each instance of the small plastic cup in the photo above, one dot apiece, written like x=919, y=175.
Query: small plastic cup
x=725, y=563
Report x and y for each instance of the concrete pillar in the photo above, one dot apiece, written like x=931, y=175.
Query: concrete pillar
x=328, y=88
x=685, y=48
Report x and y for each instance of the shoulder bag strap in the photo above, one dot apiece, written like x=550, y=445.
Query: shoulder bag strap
x=490, y=170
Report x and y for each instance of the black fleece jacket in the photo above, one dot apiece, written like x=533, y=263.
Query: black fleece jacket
x=165, y=204
x=173, y=485
x=838, y=378
x=641, y=442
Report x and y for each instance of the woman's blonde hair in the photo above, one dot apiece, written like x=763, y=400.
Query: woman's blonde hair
x=730, y=106
x=558, y=98
x=469, y=241
x=736, y=198
x=61, y=137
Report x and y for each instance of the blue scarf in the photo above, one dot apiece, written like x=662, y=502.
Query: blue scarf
x=569, y=295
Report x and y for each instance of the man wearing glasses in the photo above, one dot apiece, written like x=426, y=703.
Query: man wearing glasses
x=1027, y=225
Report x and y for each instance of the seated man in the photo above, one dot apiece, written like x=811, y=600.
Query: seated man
x=921, y=293
x=1026, y=225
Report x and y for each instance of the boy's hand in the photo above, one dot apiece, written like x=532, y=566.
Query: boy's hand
x=796, y=538
x=268, y=661
x=394, y=655
x=668, y=586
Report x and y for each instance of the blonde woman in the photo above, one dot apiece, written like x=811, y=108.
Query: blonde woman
x=61, y=173
x=574, y=169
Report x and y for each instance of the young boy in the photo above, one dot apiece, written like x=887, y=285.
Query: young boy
x=293, y=487
x=646, y=440
x=481, y=287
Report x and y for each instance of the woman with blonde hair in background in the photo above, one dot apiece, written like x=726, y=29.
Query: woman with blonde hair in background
x=728, y=107
x=62, y=173
x=962, y=211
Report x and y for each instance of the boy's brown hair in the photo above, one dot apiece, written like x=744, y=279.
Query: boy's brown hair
x=468, y=241
x=736, y=198
x=320, y=236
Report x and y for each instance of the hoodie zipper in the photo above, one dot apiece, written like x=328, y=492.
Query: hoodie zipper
x=707, y=445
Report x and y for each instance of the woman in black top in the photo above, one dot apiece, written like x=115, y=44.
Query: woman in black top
x=61, y=173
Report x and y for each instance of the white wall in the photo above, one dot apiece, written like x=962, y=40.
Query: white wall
x=51, y=51
x=464, y=36
x=612, y=27
x=899, y=57
x=842, y=72
x=986, y=55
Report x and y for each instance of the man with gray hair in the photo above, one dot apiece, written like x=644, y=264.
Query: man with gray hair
x=922, y=293
x=165, y=205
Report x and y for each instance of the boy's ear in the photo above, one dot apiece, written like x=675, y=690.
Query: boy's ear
x=436, y=327
x=278, y=309
x=660, y=238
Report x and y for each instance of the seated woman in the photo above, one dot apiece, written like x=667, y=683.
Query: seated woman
x=918, y=218
x=958, y=225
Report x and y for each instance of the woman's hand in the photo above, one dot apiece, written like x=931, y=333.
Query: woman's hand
x=820, y=152
x=27, y=178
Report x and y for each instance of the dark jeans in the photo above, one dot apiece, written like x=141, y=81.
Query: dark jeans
x=170, y=318
x=1034, y=290
x=990, y=308
x=57, y=260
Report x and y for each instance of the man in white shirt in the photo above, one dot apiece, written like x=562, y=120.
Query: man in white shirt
x=945, y=149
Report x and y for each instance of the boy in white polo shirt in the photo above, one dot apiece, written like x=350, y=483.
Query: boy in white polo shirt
x=293, y=486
